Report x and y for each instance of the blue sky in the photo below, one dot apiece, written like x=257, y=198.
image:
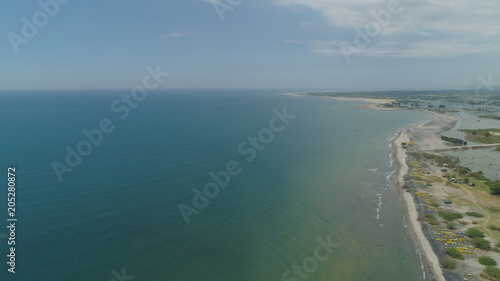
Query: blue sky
x=426, y=44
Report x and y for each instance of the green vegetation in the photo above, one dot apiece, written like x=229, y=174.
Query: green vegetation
x=454, y=140
x=492, y=186
x=431, y=219
x=487, y=136
x=474, y=214
x=474, y=232
x=493, y=209
x=495, y=188
x=487, y=261
x=451, y=225
x=490, y=117
x=435, y=204
x=481, y=243
x=454, y=253
x=449, y=264
x=450, y=216
x=439, y=159
x=492, y=272
x=479, y=176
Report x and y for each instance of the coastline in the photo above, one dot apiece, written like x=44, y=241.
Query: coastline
x=428, y=136
x=372, y=103
x=431, y=265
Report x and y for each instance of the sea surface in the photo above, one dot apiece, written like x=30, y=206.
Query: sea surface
x=326, y=175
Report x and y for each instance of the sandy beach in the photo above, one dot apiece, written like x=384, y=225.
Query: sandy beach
x=427, y=135
x=373, y=103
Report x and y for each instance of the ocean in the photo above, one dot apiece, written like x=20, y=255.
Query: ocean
x=308, y=197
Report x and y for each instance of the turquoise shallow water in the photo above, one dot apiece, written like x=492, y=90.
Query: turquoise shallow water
x=327, y=174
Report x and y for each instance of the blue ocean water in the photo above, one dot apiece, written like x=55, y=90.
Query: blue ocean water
x=328, y=175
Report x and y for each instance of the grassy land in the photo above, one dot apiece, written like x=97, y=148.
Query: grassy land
x=492, y=272
x=487, y=136
x=439, y=159
x=487, y=261
x=450, y=216
x=454, y=253
x=474, y=214
x=490, y=117
x=449, y=264
x=488, y=205
x=431, y=219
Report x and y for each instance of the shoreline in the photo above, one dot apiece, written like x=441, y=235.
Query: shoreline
x=425, y=138
x=431, y=265
x=372, y=103
x=429, y=136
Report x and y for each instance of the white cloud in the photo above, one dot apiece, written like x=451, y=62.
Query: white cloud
x=423, y=28
x=177, y=34
x=307, y=24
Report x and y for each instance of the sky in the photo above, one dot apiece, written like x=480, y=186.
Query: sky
x=303, y=44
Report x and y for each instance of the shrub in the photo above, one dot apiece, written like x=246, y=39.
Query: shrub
x=495, y=188
x=474, y=232
x=479, y=175
x=454, y=140
x=492, y=272
x=449, y=264
x=450, y=216
x=474, y=214
x=431, y=219
x=481, y=243
x=435, y=204
x=487, y=261
x=454, y=253
x=451, y=225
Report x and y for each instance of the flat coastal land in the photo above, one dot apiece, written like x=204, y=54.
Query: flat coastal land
x=427, y=135
x=372, y=103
